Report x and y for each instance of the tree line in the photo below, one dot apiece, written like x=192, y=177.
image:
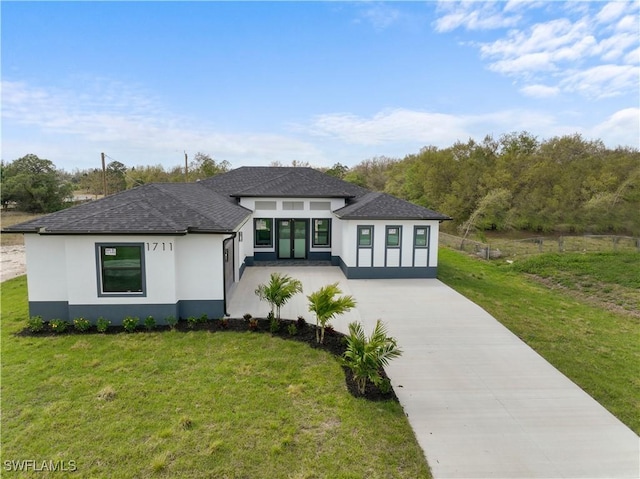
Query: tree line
x=564, y=184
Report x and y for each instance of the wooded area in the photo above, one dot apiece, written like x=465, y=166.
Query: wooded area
x=561, y=185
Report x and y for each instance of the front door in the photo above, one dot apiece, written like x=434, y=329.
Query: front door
x=292, y=239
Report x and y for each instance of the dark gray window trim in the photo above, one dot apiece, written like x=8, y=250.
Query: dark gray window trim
x=143, y=268
x=313, y=235
x=386, y=236
x=360, y=228
x=386, y=243
x=415, y=247
x=255, y=236
x=369, y=247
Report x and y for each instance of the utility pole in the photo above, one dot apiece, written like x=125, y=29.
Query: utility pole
x=186, y=168
x=104, y=176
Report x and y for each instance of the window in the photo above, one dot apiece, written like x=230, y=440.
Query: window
x=365, y=236
x=293, y=205
x=393, y=236
x=121, y=268
x=322, y=232
x=263, y=232
x=265, y=205
x=421, y=237
x=320, y=205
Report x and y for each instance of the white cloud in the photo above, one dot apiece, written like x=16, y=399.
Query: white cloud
x=573, y=52
x=602, y=81
x=114, y=117
x=540, y=91
x=620, y=129
x=474, y=16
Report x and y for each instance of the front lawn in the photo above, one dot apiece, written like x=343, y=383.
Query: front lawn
x=194, y=404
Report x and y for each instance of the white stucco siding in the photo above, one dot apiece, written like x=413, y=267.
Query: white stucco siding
x=46, y=267
x=199, y=267
x=159, y=272
x=403, y=256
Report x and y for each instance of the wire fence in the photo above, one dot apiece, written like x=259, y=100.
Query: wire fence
x=530, y=246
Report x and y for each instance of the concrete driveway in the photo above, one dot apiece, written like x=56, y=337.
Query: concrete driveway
x=482, y=403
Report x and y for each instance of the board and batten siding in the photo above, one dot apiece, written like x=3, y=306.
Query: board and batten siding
x=379, y=261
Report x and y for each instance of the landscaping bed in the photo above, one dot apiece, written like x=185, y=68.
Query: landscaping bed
x=298, y=330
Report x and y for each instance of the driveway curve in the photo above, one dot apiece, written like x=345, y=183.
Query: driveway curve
x=481, y=402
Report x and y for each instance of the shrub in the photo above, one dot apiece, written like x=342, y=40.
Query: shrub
x=280, y=289
x=224, y=323
x=130, y=323
x=274, y=325
x=35, y=324
x=247, y=316
x=192, y=321
x=58, y=325
x=171, y=321
x=253, y=324
x=302, y=323
x=326, y=306
x=365, y=357
x=82, y=324
x=292, y=329
x=204, y=318
x=149, y=323
x=102, y=324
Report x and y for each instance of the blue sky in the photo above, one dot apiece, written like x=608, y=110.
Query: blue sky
x=317, y=82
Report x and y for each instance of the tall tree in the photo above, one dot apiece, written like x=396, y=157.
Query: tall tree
x=35, y=185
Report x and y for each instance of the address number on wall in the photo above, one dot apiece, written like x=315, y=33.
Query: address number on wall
x=160, y=246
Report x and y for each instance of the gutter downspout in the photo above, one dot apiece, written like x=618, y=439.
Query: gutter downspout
x=224, y=276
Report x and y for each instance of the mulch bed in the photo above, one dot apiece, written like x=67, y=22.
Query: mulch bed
x=334, y=342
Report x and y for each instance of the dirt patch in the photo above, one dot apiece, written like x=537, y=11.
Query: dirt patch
x=612, y=297
x=12, y=262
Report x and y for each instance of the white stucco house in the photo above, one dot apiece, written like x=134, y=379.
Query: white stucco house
x=177, y=249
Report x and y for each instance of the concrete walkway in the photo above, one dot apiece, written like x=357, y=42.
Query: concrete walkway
x=481, y=402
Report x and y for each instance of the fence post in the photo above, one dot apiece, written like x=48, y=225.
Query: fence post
x=561, y=244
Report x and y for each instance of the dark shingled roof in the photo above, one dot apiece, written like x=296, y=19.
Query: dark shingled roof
x=211, y=205
x=381, y=206
x=284, y=182
x=153, y=208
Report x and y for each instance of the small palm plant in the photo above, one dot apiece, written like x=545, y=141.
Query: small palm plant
x=367, y=356
x=280, y=289
x=326, y=306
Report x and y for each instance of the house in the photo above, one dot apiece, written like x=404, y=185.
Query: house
x=177, y=249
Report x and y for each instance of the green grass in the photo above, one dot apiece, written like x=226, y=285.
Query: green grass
x=197, y=404
x=595, y=347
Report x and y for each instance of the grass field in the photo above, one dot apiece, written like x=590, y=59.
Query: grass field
x=190, y=405
x=580, y=335
x=8, y=218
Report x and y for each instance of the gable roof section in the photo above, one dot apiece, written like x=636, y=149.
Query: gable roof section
x=381, y=206
x=175, y=208
x=283, y=182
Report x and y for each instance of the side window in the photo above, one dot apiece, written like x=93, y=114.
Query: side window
x=421, y=237
x=121, y=269
x=365, y=236
x=263, y=229
x=393, y=236
x=322, y=232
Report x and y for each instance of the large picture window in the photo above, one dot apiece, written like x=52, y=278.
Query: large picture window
x=121, y=269
x=263, y=232
x=322, y=232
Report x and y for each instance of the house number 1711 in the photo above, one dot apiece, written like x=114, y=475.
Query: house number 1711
x=159, y=246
